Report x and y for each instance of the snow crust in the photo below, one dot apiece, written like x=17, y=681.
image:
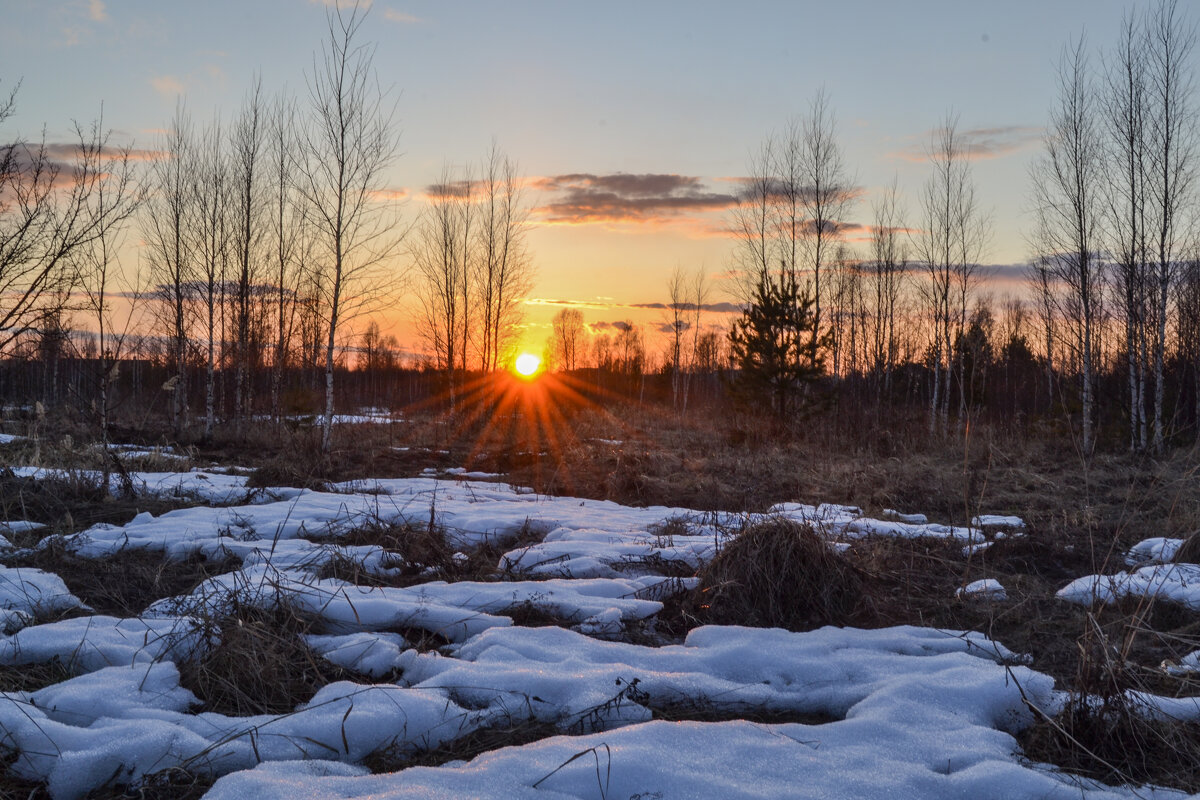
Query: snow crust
x=861, y=758
x=209, y=486
x=454, y=611
x=1177, y=583
x=985, y=589
x=34, y=592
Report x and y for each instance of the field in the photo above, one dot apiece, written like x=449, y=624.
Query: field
x=625, y=605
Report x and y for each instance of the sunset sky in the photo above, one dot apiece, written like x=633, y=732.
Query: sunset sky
x=631, y=120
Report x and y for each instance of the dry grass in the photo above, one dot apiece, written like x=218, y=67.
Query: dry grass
x=32, y=677
x=415, y=552
x=123, y=584
x=1103, y=733
x=260, y=664
x=1189, y=551
x=71, y=501
x=781, y=574
x=395, y=758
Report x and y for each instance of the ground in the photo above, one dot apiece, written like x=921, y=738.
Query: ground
x=621, y=604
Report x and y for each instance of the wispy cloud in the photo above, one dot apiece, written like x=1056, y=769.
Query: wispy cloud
x=721, y=308
x=167, y=85
x=96, y=11
x=545, y=301
x=364, y=5
x=600, y=304
x=979, y=144
x=453, y=189
x=67, y=151
x=400, y=16
x=390, y=195
x=582, y=198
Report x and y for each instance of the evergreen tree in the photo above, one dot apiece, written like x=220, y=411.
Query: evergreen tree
x=775, y=346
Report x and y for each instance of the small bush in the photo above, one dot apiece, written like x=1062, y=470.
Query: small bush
x=781, y=574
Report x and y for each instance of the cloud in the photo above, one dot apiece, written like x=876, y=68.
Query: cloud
x=721, y=308
x=979, y=144
x=390, y=195
x=64, y=151
x=616, y=325
x=167, y=85
x=96, y=11
x=542, y=301
x=453, y=189
x=777, y=189
x=623, y=197
x=50, y=163
x=399, y=16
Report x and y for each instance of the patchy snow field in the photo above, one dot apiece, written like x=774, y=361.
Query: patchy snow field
x=901, y=712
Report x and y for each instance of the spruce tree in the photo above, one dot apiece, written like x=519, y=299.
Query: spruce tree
x=775, y=346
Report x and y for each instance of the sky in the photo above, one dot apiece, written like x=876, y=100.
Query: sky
x=630, y=120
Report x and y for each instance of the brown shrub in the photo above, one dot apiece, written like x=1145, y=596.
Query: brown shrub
x=783, y=574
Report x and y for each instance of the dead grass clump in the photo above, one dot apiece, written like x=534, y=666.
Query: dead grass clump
x=32, y=677
x=169, y=784
x=464, y=748
x=531, y=614
x=779, y=573
x=260, y=665
x=1189, y=551
x=1117, y=747
x=1103, y=732
x=286, y=472
x=125, y=583
x=68, y=502
x=415, y=552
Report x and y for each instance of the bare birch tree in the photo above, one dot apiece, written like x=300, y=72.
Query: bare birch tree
x=504, y=269
x=1066, y=184
x=1126, y=224
x=950, y=244
x=99, y=269
x=440, y=250
x=166, y=222
x=885, y=275
x=246, y=174
x=50, y=212
x=287, y=238
x=348, y=145
x=209, y=230
x=1172, y=139
x=826, y=193
x=567, y=339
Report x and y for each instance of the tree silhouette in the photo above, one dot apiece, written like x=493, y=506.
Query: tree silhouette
x=775, y=346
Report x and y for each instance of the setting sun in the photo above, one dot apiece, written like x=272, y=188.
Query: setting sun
x=527, y=364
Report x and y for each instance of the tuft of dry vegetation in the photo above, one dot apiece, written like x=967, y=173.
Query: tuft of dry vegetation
x=781, y=574
x=1104, y=732
x=1189, y=551
x=125, y=583
x=71, y=501
x=259, y=665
